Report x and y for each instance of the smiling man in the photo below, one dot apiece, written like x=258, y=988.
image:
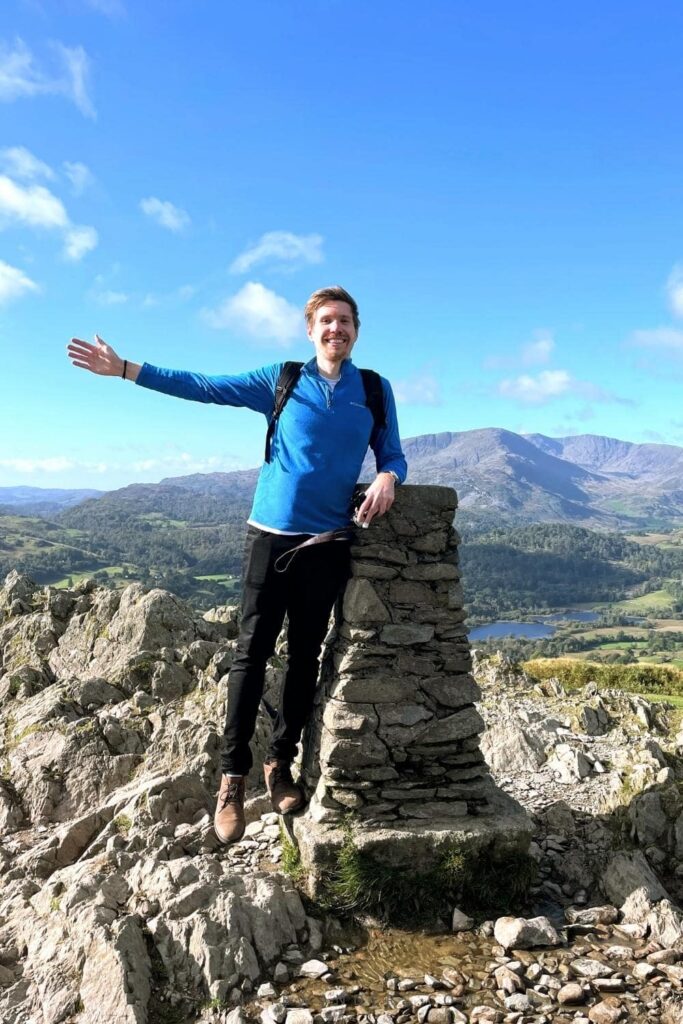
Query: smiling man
x=296, y=556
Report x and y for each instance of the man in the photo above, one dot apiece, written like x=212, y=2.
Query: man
x=303, y=494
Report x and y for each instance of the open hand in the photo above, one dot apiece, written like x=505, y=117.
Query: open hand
x=98, y=357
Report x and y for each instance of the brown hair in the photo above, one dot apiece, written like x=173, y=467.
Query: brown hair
x=335, y=293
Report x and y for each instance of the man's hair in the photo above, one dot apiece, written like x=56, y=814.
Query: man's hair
x=335, y=293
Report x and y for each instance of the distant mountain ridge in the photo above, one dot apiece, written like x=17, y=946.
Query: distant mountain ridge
x=43, y=500
x=502, y=479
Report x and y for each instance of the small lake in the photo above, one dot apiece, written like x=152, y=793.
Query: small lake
x=539, y=629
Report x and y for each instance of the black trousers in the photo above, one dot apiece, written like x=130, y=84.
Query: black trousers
x=306, y=593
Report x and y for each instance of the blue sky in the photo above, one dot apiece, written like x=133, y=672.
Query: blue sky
x=499, y=185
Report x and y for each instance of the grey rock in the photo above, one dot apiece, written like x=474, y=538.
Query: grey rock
x=460, y=922
x=523, y=933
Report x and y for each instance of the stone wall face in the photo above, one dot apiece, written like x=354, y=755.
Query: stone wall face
x=395, y=736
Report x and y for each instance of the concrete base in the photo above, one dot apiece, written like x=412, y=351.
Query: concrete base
x=504, y=831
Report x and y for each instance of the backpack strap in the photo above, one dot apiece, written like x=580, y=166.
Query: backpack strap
x=289, y=375
x=374, y=399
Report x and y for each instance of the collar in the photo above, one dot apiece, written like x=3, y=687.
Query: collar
x=311, y=367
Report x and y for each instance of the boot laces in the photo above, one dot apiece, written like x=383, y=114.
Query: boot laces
x=232, y=794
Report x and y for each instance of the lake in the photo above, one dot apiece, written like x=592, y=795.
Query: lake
x=536, y=630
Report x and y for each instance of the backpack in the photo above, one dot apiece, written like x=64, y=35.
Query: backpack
x=289, y=375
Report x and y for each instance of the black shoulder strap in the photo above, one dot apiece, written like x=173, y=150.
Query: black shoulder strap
x=289, y=375
x=374, y=399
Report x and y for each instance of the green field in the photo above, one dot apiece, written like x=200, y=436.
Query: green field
x=653, y=603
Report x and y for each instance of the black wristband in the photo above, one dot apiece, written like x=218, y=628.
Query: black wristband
x=125, y=367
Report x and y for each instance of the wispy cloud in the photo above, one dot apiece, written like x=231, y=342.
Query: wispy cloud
x=36, y=207
x=182, y=294
x=674, y=290
x=260, y=313
x=55, y=464
x=422, y=389
x=539, y=349
x=549, y=385
x=165, y=214
x=21, y=75
x=19, y=162
x=78, y=242
x=110, y=8
x=532, y=353
x=104, y=295
x=282, y=248
x=667, y=338
x=14, y=283
x=80, y=176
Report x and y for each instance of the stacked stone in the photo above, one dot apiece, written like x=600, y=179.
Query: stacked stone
x=396, y=735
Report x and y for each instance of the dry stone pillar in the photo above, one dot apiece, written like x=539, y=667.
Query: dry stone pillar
x=395, y=736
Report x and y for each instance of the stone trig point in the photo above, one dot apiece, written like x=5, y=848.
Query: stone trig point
x=392, y=751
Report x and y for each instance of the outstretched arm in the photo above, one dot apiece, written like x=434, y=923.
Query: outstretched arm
x=101, y=358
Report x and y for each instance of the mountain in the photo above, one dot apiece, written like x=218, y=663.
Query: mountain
x=42, y=501
x=502, y=479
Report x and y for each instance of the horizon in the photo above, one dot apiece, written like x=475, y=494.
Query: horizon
x=256, y=468
x=499, y=189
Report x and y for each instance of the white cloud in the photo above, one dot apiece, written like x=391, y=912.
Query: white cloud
x=539, y=350
x=551, y=384
x=14, y=283
x=104, y=295
x=280, y=247
x=77, y=65
x=543, y=387
x=80, y=176
x=536, y=351
x=183, y=462
x=19, y=162
x=21, y=75
x=34, y=205
x=260, y=313
x=674, y=288
x=78, y=242
x=423, y=389
x=165, y=213
x=56, y=464
x=37, y=207
x=659, y=337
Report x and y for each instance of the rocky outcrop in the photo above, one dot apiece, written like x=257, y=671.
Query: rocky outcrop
x=113, y=893
x=600, y=773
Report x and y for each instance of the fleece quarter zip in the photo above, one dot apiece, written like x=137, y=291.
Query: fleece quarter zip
x=319, y=444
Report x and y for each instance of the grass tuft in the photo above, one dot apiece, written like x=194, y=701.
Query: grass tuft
x=480, y=882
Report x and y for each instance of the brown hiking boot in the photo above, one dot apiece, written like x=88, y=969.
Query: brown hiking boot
x=228, y=821
x=285, y=796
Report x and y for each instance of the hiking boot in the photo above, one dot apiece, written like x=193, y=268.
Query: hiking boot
x=228, y=821
x=285, y=796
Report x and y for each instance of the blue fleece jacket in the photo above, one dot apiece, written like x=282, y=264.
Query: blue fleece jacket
x=319, y=443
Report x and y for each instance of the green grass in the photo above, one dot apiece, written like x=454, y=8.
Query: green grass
x=481, y=882
x=621, y=645
x=641, y=678
x=656, y=601
x=218, y=577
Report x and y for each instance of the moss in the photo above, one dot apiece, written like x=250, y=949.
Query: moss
x=123, y=824
x=481, y=882
x=56, y=903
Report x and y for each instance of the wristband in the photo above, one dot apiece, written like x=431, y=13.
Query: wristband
x=125, y=368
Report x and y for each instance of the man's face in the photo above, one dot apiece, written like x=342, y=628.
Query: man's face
x=332, y=332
